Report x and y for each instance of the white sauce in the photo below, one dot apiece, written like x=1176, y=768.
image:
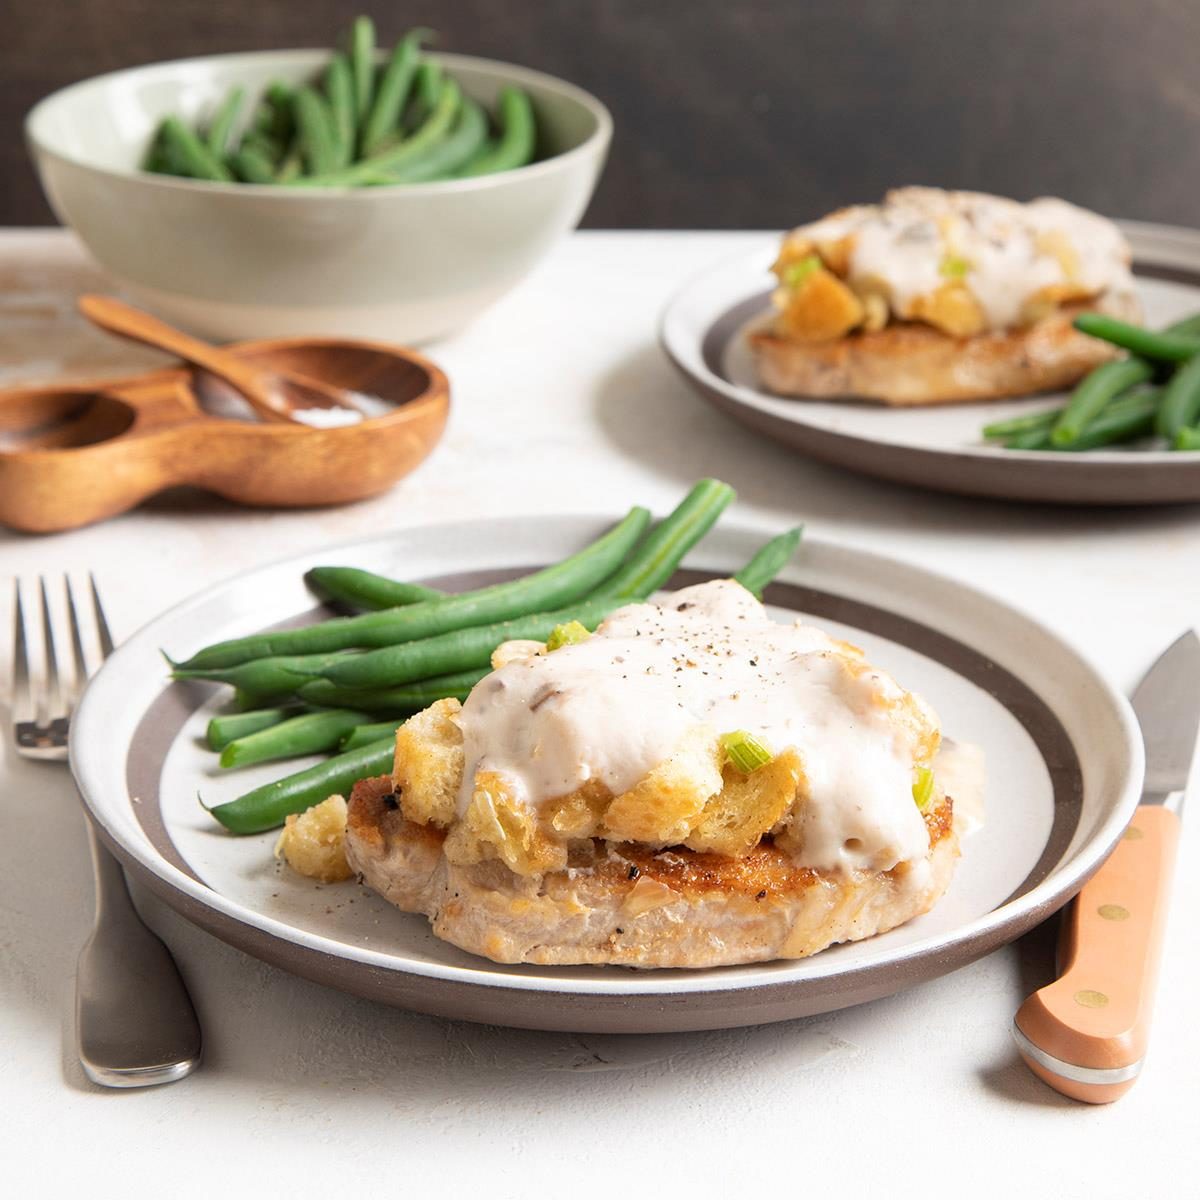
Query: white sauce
x=617, y=705
x=959, y=767
x=904, y=241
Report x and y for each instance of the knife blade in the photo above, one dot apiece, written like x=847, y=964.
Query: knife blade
x=1167, y=705
x=1086, y=1033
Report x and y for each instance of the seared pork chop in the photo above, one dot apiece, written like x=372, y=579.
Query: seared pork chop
x=632, y=905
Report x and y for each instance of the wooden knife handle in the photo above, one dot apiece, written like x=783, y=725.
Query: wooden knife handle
x=1086, y=1033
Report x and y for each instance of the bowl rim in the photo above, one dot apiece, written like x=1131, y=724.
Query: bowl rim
x=596, y=142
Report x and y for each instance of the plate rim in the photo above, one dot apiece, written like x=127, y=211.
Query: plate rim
x=684, y=350
x=964, y=943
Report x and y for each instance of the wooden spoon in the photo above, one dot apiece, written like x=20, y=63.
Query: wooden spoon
x=274, y=396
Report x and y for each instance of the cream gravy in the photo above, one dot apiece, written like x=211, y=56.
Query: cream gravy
x=615, y=706
x=1003, y=251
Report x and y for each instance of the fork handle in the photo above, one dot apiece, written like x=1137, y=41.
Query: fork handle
x=134, y=1018
x=112, y=892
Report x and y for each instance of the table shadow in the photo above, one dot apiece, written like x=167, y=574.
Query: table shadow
x=1008, y=1076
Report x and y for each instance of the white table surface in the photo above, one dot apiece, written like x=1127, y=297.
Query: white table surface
x=562, y=401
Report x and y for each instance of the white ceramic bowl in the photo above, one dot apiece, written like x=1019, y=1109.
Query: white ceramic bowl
x=234, y=261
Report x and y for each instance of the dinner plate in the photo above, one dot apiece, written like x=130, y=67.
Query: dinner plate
x=1064, y=767
x=703, y=332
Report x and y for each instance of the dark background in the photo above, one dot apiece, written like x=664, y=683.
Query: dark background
x=743, y=113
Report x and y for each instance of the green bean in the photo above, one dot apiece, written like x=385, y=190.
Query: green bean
x=261, y=120
x=369, y=176
x=157, y=158
x=192, y=154
x=1180, y=406
x=459, y=650
x=263, y=678
x=365, y=589
x=489, y=144
x=318, y=137
x=391, y=95
x=278, y=120
x=308, y=733
x=1030, y=439
x=269, y=147
x=267, y=806
x=1188, y=327
x=517, y=137
x=655, y=560
x=230, y=726
x=377, y=168
x=1125, y=418
x=1123, y=422
x=769, y=561
x=1187, y=439
x=1165, y=347
x=1029, y=422
x=554, y=586
x=262, y=123
x=1097, y=390
x=339, y=87
x=252, y=166
x=362, y=65
x=221, y=129
x=427, y=87
x=292, y=165
x=446, y=156
x=363, y=735
x=411, y=697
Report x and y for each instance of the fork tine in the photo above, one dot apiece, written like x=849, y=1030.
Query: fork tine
x=106, y=642
x=57, y=688
x=24, y=708
x=80, y=655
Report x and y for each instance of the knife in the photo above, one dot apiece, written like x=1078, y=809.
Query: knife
x=1086, y=1033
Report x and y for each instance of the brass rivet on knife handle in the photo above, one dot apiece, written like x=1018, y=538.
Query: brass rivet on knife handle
x=1086, y=1033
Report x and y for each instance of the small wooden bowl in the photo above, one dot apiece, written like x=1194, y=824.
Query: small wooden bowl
x=73, y=455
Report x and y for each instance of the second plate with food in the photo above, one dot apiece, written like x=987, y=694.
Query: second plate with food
x=1063, y=755
x=704, y=333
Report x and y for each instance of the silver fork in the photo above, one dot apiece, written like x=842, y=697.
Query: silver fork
x=135, y=1022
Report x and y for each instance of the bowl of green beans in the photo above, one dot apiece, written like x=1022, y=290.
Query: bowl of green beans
x=380, y=191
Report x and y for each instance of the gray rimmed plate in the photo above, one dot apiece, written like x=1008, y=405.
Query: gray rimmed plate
x=703, y=332
x=1065, y=772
